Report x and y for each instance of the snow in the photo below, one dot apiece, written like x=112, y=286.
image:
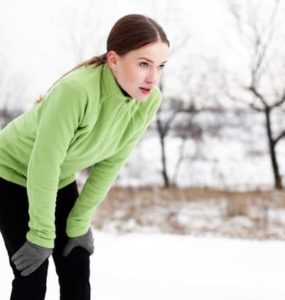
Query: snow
x=234, y=158
x=161, y=266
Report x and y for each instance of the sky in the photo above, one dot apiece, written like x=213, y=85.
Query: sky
x=42, y=39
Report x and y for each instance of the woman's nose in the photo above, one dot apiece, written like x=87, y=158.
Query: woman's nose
x=153, y=77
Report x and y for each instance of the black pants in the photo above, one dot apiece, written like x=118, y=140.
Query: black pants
x=73, y=271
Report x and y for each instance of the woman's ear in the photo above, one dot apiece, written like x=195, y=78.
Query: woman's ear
x=112, y=60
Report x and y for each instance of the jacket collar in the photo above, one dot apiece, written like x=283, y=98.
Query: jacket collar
x=111, y=87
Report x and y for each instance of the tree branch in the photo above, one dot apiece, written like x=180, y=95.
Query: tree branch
x=258, y=95
x=281, y=136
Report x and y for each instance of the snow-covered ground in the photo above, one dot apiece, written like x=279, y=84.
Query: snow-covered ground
x=160, y=266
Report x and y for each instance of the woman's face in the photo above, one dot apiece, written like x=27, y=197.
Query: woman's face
x=138, y=71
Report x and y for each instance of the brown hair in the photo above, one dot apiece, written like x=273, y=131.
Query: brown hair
x=128, y=33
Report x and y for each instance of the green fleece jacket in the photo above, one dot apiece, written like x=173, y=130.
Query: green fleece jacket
x=85, y=120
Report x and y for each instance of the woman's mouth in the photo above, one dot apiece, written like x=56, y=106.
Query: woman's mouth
x=145, y=91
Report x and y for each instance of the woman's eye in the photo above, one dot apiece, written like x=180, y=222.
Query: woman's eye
x=143, y=64
x=161, y=67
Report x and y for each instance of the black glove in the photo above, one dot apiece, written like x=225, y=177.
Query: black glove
x=29, y=257
x=85, y=241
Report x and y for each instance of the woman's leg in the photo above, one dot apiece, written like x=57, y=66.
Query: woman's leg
x=14, y=226
x=74, y=270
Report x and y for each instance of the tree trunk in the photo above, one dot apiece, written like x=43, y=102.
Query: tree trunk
x=163, y=159
x=162, y=135
x=272, y=151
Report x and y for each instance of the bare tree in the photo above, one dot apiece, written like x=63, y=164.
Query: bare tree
x=177, y=115
x=257, y=23
x=164, y=120
x=187, y=128
x=163, y=123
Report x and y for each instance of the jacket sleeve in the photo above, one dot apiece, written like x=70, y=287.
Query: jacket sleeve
x=99, y=182
x=57, y=120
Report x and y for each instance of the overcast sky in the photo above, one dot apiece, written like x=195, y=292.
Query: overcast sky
x=39, y=39
x=36, y=35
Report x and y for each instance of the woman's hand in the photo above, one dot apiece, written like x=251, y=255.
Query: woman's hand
x=85, y=241
x=29, y=257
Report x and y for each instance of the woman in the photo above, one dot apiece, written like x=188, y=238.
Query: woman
x=92, y=117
